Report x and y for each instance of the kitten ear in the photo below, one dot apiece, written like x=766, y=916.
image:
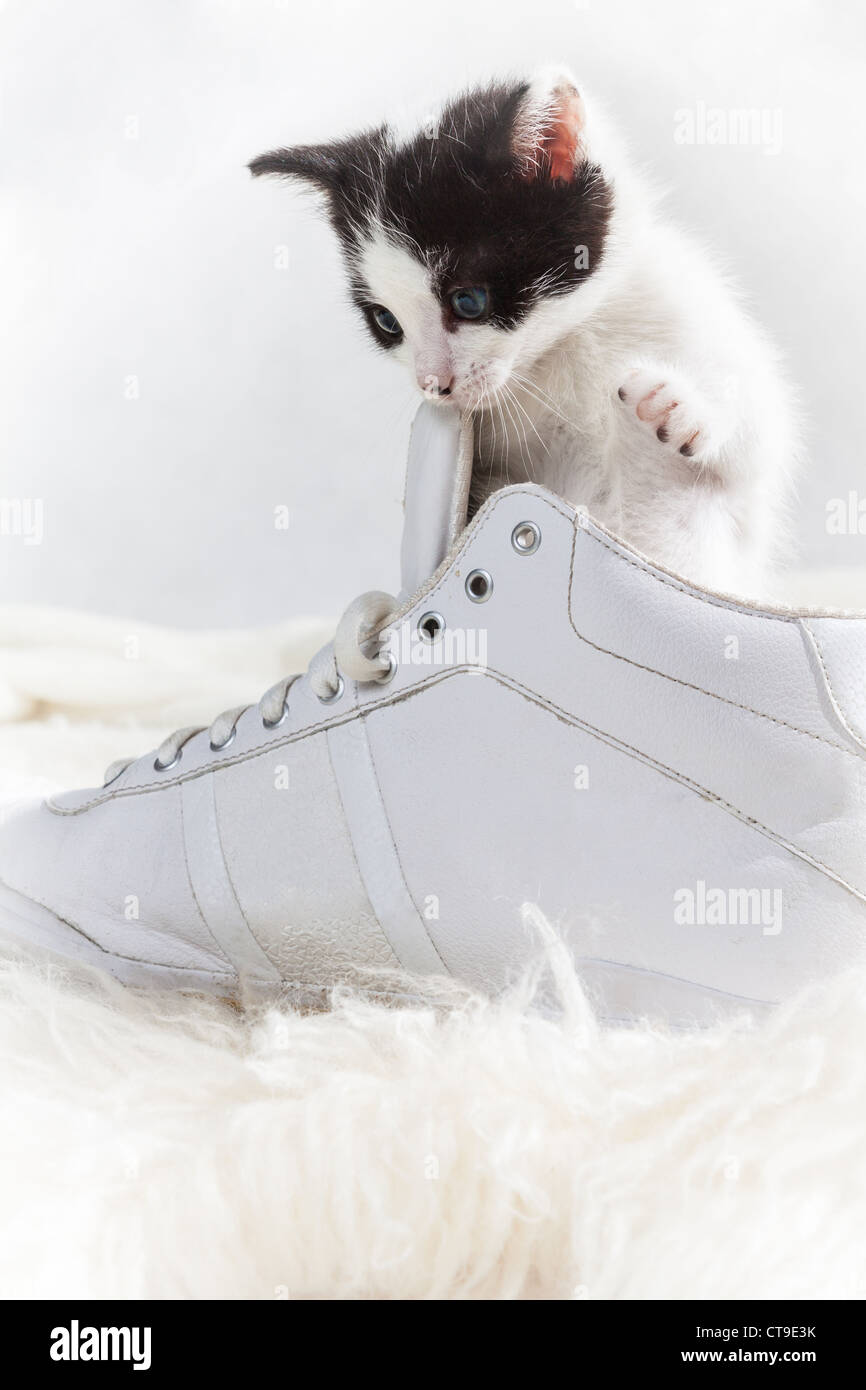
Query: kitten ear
x=548, y=134
x=319, y=165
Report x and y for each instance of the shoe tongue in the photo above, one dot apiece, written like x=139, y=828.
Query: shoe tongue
x=437, y=491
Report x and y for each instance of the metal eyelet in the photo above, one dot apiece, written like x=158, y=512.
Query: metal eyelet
x=430, y=627
x=164, y=767
x=275, y=723
x=526, y=538
x=479, y=586
x=333, y=698
x=218, y=747
x=391, y=672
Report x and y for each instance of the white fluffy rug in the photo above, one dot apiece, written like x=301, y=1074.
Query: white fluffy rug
x=156, y=1146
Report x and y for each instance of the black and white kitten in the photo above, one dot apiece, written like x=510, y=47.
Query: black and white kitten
x=508, y=255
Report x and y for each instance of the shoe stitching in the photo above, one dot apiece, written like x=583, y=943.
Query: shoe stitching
x=681, y=587
x=241, y=972
x=231, y=883
x=663, y=577
x=118, y=955
x=230, y=976
x=713, y=990
x=433, y=588
x=310, y=730
x=677, y=680
x=307, y=730
x=573, y=721
x=682, y=778
x=371, y=914
x=479, y=523
x=409, y=894
x=815, y=645
x=189, y=880
x=280, y=985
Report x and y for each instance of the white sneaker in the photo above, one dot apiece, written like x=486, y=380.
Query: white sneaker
x=676, y=778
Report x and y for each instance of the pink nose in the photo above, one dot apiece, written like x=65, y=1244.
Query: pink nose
x=436, y=385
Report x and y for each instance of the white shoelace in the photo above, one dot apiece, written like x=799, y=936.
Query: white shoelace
x=355, y=652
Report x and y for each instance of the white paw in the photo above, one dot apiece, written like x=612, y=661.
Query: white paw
x=666, y=407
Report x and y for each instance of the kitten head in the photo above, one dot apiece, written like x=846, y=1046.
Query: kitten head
x=469, y=244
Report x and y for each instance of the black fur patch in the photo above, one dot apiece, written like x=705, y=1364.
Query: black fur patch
x=459, y=201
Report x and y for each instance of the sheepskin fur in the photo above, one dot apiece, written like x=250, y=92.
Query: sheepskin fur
x=168, y=1146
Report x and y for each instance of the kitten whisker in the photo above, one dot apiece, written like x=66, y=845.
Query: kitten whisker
x=507, y=407
x=535, y=392
x=525, y=451
x=529, y=420
x=498, y=405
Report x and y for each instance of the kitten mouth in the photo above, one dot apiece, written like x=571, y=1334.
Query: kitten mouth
x=473, y=394
x=456, y=395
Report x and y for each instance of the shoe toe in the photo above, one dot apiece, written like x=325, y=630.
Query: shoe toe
x=113, y=875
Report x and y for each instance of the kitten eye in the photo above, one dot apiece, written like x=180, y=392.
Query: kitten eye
x=387, y=322
x=470, y=303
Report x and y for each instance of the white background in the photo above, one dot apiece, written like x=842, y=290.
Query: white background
x=156, y=257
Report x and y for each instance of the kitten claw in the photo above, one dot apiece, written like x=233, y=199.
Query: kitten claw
x=672, y=410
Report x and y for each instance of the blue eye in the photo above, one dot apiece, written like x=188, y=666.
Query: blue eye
x=470, y=303
x=387, y=322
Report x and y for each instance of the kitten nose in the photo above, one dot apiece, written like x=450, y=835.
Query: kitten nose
x=436, y=385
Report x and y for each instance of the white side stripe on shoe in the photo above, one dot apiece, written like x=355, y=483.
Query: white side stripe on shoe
x=212, y=887
x=376, y=852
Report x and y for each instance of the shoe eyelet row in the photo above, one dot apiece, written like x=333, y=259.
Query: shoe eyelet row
x=525, y=539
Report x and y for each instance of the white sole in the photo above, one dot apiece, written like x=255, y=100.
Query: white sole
x=611, y=986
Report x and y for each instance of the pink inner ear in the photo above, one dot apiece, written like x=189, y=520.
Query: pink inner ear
x=561, y=140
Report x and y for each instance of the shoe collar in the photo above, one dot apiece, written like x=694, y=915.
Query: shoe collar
x=436, y=502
